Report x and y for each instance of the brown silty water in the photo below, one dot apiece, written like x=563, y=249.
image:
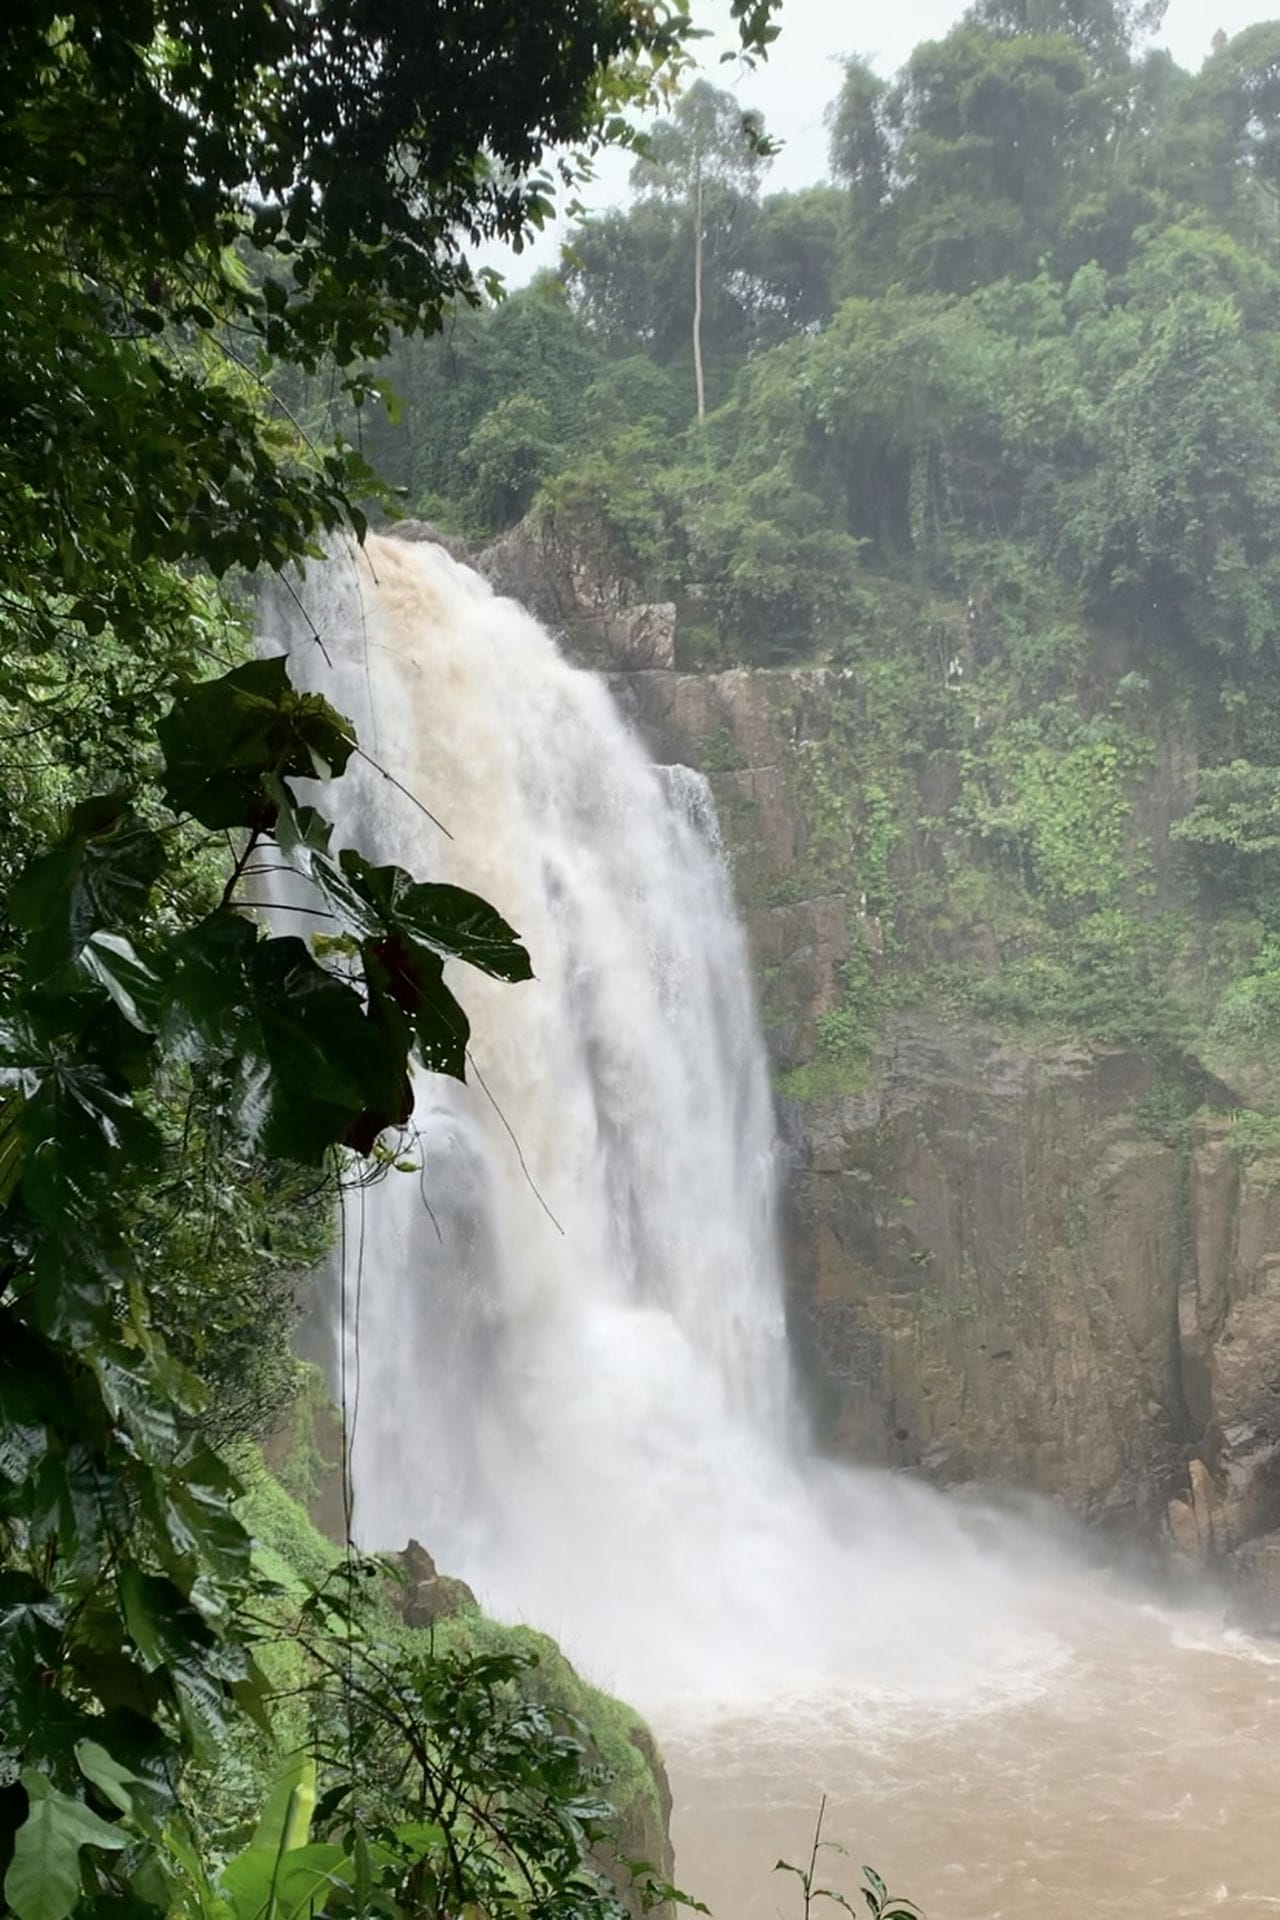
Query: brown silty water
x=1139, y=1777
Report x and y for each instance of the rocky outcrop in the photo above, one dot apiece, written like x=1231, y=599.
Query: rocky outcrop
x=1229, y=1334
x=428, y=1595
x=985, y=1258
x=563, y=582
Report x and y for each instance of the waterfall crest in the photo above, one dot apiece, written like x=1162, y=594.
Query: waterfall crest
x=566, y=1350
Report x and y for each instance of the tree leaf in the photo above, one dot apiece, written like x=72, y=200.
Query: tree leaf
x=114, y=1781
x=43, y=1881
x=285, y=1821
x=304, y=1875
x=98, y=875
x=223, y=737
x=407, y=992
x=329, y=1071
x=134, y=986
x=74, y=1127
x=451, y=921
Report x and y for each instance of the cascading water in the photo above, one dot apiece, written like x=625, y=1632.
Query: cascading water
x=566, y=1363
x=568, y=1333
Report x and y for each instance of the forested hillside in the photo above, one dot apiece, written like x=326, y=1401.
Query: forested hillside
x=992, y=418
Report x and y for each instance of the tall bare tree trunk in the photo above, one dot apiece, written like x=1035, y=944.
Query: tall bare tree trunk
x=698, y=381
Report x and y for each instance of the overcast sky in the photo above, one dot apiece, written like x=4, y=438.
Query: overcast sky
x=802, y=74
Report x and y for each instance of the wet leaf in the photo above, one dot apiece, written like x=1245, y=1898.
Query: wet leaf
x=224, y=737
x=98, y=876
x=454, y=923
x=43, y=1881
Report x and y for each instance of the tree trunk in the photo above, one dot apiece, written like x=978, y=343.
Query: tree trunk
x=698, y=382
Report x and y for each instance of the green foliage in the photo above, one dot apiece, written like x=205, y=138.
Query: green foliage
x=415, y=1732
x=1053, y=795
x=1255, y=1140
x=126, y=1575
x=43, y=1880
x=1247, y=1017
x=1164, y=1112
x=509, y=455
x=1233, y=830
x=881, y=1904
x=1104, y=978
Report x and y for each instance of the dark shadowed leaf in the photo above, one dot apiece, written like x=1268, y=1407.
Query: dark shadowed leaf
x=99, y=875
x=75, y=1127
x=134, y=984
x=452, y=922
x=324, y=1065
x=223, y=738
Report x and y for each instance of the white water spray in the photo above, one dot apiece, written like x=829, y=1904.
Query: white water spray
x=567, y=1358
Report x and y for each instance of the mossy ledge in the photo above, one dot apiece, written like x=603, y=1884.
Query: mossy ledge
x=294, y=1553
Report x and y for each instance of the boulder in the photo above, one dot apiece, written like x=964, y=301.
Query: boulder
x=429, y=1595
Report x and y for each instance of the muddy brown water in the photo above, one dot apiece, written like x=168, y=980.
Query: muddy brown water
x=1136, y=1774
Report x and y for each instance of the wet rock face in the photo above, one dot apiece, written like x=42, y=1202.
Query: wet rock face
x=1229, y=1328
x=997, y=1270
x=564, y=583
x=985, y=1258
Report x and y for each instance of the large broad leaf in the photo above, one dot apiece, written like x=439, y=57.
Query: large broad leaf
x=289, y=1886
x=311, y=1068
x=125, y=1742
x=70, y=1505
x=407, y=993
x=98, y=875
x=330, y=1073
x=172, y=1639
x=77, y=1127
x=165, y=1629
x=285, y=1821
x=302, y=834
x=114, y=1781
x=457, y=925
x=202, y=1543
x=43, y=1881
x=31, y=1627
x=133, y=983
x=132, y=1395
x=407, y=930
x=204, y=1010
x=224, y=738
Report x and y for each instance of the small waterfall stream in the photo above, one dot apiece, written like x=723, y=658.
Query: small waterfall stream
x=566, y=1350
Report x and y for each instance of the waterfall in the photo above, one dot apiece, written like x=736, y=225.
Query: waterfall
x=566, y=1355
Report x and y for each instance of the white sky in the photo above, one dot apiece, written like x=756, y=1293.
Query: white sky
x=802, y=74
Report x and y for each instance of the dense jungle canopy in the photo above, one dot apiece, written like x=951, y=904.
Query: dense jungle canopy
x=993, y=419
